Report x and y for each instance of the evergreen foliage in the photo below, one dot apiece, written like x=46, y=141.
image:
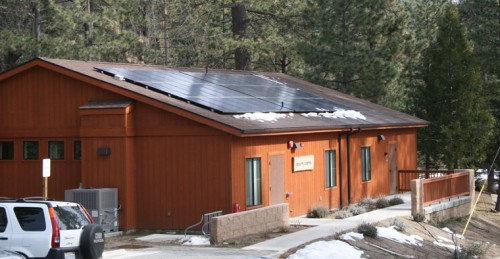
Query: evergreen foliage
x=386, y=51
x=452, y=99
x=482, y=18
x=352, y=45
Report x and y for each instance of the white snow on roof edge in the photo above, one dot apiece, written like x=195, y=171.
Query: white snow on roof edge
x=264, y=117
x=337, y=114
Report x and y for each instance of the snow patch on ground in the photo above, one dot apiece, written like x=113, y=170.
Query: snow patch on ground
x=196, y=241
x=327, y=250
x=392, y=234
x=447, y=230
x=337, y=114
x=263, y=117
x=351, y=236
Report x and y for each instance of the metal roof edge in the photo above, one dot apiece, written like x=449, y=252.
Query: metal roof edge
x=278, y=132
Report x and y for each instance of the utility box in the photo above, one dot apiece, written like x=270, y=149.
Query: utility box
x=102, y=205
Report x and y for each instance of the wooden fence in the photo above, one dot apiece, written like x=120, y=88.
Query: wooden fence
x=445, y=187
x=405, y=177
x=443, y=197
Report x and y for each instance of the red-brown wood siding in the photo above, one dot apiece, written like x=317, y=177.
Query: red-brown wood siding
x=307, y=188
x=169, y=170
x=405, y=139
x=43, y=106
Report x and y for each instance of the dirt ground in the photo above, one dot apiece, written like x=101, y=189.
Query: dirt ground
x=482, y=234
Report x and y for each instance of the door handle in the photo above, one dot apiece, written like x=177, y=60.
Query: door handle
x=4, y=238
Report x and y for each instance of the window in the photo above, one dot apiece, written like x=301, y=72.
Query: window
x=30, y=219
x=3, y=220
x=330, y=169
x=70, y=217
x=77, y=150
x=253, y=182
x=366, y=170
x=30, y=150
x=6, y=150
x=56, y=150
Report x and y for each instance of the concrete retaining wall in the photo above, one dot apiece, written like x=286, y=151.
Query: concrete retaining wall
x=233, y=226
x=454, y=207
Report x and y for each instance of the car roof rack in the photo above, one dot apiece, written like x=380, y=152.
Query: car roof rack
x=41, y=198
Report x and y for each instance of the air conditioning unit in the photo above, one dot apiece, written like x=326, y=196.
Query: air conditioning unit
x=102, y=204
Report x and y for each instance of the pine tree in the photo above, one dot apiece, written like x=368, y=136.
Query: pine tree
x=353, y=45
x=482, y=19
x=421, y=29
x=452, y=99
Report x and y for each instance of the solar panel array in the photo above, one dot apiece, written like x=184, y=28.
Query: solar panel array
x=226, y=93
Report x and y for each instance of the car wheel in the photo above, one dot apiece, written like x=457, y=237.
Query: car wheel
x=92, y=241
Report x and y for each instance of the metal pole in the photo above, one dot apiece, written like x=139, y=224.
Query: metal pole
x=479, y=196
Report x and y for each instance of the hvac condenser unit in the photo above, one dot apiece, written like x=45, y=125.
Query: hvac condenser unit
x=102, y=205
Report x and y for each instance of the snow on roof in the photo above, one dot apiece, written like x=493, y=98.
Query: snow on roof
x=337, y=114
x=263, y=117
x=327, y=250
x=270, y=79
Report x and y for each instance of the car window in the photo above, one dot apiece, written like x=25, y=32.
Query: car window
x=3, y=220
x=30, y=219
x=71, y=217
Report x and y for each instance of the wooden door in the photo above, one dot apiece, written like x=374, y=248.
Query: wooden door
x=277, y=179
x=393, y=166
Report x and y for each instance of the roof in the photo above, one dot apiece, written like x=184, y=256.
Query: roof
x=361, y=114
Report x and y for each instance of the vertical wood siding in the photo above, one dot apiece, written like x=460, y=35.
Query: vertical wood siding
x=405, y=140
x=307, y=188
x=41, y=105
x=169, y=169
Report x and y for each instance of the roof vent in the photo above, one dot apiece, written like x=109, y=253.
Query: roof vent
x=119, y=77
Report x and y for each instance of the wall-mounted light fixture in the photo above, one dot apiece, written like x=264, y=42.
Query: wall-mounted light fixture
x=380, y=137
x=292, y=144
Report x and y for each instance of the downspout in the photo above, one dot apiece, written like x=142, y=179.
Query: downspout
x=348, y=139
x=339, y=139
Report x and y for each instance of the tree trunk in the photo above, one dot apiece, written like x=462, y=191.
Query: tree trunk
x=497, y=207
x=36, y=21
x=284, y=64
x=240, y=25
x=166, y=40
x=491, y=181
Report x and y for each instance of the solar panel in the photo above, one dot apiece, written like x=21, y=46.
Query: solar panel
x=226, y=93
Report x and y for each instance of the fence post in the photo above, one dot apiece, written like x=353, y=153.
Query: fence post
x=472, y=189
x=417, y=197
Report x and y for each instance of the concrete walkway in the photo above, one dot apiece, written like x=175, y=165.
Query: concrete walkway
x=328, y=227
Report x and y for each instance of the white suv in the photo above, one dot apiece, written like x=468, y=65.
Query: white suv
x=49, y=229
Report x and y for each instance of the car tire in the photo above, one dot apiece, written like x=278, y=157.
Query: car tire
x=92, y=241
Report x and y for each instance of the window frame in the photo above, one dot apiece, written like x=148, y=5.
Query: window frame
x=366, y=165
x=4, y=221
x=330, y=156
x=77, y=153
x=26, y=155
x=253, y=181
x=9, y=152
x=51, y=144
x=30, y=222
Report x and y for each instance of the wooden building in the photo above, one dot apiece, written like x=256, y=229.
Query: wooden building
x=173, y=158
